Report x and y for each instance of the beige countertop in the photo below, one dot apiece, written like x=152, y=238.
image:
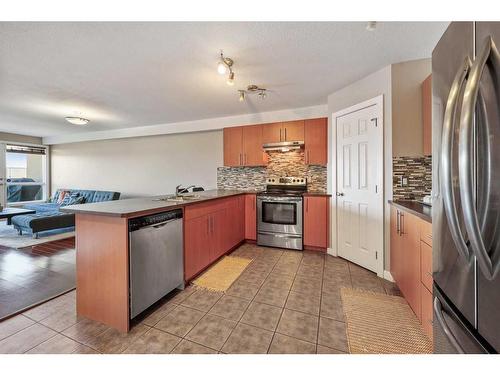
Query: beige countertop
x=137, y=206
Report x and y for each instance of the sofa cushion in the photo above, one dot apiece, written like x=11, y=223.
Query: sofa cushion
x=42, y=207
x=40, y=222
x=103, y=196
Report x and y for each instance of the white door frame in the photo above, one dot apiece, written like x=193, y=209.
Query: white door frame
x=377, y=101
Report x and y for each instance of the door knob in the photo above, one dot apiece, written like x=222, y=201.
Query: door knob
x=340, y=194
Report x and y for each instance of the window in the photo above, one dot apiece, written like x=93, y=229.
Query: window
x=26, y=171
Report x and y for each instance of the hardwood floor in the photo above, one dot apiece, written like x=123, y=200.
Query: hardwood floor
x=34, y=274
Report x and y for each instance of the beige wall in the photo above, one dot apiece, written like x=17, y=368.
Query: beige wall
x=400, y=86
x=139, y=166
x=9, y=137
x=373, y=85
x=407, y=126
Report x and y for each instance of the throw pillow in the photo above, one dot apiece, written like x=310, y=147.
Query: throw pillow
x=62, y=195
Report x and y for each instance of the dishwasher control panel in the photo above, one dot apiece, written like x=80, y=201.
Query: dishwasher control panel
x=145, y=221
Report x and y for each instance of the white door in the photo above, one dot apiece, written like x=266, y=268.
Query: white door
x=360, y=224
x=3, y=178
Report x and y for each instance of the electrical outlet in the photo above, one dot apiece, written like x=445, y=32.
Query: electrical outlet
x=404, y=181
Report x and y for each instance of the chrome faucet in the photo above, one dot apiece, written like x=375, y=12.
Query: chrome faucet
x=180, y=190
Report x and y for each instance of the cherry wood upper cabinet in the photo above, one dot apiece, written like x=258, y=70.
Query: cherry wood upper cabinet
x=316, y=141
x=293, y=131
x=316, y=217
x=243, y=146
x=272, y=133
x=253, y=154
x=251, y=217
x=283, y=131
x=427, y=114
x=233, y=141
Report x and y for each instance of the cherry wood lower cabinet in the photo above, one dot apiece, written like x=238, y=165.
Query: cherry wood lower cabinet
x=210, y=231
x=411, y=263
x=316, y=219
x=251, y=217
x=196, y=245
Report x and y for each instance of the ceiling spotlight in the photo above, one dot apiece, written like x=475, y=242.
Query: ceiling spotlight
x=242, y=95
x=230, y=79
x=77, y=120
x=221, y=68
x=371, y=25
x=262, y=93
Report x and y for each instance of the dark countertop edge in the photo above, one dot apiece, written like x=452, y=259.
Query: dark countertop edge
x=150, y=210
x=416, y=208
x=314, y=194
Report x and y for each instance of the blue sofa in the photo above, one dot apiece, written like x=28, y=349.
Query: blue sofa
x=49, y=217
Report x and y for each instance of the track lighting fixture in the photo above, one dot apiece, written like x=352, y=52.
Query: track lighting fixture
x=223, y=66
x=253, y=89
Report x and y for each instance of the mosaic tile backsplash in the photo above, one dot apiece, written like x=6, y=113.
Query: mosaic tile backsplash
x=418, y=171
x=280, y=164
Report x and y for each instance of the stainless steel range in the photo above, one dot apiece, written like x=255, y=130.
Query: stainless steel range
x=279, y=213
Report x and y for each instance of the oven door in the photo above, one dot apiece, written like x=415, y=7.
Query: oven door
x=279, y=214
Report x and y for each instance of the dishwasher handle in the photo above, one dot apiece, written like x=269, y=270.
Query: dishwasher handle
x=154, y=221
x=160, y=225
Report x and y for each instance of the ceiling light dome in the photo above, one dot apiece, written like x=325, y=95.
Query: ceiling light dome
x=77, y=120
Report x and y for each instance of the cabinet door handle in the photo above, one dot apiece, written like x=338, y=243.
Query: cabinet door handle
x=280, y=136
x=245, y=159
x=398, y=222
x=240, y=160
x=285, y=134
x=402, y=225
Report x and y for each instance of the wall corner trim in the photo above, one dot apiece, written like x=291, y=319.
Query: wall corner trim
x=388, y=276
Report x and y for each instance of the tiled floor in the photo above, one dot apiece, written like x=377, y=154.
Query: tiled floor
x=284, y=302
x=34, y=274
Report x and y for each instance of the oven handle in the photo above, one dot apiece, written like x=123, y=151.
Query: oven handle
x=279, y=199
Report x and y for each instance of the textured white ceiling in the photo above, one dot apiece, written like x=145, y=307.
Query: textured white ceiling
x=122, y=75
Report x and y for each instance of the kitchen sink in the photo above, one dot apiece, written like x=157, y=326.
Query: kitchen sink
x=179, y=198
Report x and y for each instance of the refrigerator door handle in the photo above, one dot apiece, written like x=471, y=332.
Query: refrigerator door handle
x=471, y=93
x=446, y=160
x=438, y=309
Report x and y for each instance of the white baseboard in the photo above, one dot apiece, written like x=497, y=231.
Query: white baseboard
x=388, y=276
x=331, y=251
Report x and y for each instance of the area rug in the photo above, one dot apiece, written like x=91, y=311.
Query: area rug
x=10, y=238
x=382, y=324
x=220, y=276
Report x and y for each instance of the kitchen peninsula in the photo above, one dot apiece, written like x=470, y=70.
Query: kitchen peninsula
x=102, y=242
x=214, y=223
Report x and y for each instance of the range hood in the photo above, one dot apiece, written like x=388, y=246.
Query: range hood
x=283, y=146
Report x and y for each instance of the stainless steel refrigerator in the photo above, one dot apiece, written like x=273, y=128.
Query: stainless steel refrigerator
x=466, y=183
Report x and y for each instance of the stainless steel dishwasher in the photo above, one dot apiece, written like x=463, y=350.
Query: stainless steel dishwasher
x=155, y=258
